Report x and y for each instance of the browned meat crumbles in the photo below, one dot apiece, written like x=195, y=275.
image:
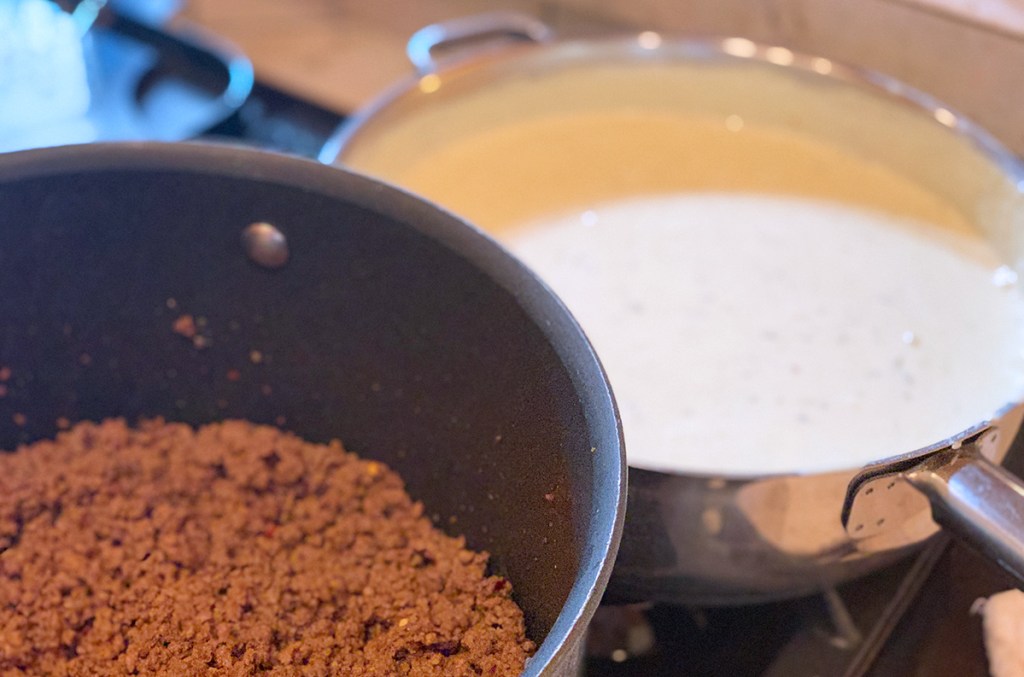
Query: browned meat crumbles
x=233, y=549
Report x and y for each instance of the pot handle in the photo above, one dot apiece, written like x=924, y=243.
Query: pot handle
x=968, y=494
x=421, y=46
x=978, y=501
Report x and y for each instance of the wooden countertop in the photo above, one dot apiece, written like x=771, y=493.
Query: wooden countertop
x=340, y=53
x=327, y=52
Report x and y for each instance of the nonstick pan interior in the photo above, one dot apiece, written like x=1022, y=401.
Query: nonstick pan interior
x=393, y=327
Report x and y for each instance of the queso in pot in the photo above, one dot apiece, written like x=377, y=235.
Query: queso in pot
x=726, y=264
x=784, y=272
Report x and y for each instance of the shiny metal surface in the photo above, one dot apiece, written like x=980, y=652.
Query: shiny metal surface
x=693, y=540
x=884, y=494
x=978, y=501
x=729, y=540
x=265, y=245
x=423, y=43
x=707, y=541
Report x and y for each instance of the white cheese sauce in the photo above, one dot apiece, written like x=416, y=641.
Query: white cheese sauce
x=748, y=333
x=763, y=300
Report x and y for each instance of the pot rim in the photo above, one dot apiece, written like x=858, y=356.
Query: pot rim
x=654, y=46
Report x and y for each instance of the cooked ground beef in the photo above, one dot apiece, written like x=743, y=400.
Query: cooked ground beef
x=234, y=549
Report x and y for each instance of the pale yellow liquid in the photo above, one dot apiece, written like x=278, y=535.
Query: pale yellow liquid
x=511, y=174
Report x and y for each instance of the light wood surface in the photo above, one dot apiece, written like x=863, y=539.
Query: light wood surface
x=338, y=53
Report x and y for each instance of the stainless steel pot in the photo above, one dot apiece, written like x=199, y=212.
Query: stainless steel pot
x=382, y=321
x=735, y=539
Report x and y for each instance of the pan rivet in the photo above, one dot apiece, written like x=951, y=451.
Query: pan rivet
x=265, y=245
x=880, y=522
x=869, y=491
x=890, y=485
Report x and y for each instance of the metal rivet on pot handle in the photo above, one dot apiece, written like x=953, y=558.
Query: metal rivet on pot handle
x=421, y=46
x=265, y=245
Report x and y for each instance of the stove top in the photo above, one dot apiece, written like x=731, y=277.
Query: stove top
x=911, y=619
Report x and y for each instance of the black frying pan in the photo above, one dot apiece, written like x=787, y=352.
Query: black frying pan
x=393, y=326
